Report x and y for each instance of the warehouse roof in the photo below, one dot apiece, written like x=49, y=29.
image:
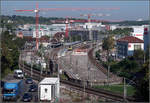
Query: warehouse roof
x=51, y=80
x=130, y=39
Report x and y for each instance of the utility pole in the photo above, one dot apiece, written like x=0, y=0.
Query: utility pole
x=31, y=66
x=144, y=57
x=125, y=90
x=84, y=89
x=77, y=66
x=23, y=61
x=108, y=74
x=41, y=67
x=70, y=60
x=58, y=79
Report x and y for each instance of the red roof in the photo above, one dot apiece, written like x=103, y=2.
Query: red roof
x=130, y=39
x=58, y=36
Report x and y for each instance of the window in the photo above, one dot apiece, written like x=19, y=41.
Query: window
x=45, y=90
x=137, y=47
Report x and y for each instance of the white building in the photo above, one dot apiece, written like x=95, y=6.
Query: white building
x=138, y=31
x=40, y=33
x=127, y=45
x=48, y=89
x=113, y=27
x=91, y=25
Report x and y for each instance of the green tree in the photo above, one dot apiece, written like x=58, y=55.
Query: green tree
x=142, y=87
x=9, y=52
x=139, y=56
x=108, y=44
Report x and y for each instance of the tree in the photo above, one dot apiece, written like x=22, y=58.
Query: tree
x=108, y=44
x=139, y=56
x=9, y=54
x=142, y=87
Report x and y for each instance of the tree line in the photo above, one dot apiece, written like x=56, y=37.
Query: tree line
x=48, y=20
x=10, y=46
x=130, y=23
x=31, y=20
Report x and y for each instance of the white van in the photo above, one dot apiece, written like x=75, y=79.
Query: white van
x=18, y=74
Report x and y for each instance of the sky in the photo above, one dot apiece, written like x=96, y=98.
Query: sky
x=127, y=10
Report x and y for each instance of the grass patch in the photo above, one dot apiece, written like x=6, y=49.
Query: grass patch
x=118, y=88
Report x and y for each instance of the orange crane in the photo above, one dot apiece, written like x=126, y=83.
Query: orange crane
x=68, y=21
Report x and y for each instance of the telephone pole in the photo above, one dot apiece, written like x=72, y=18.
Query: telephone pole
x=125, y=90
x=108, y=74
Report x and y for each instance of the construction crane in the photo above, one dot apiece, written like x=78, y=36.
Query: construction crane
x=89, y=16
x=68, y=21
x=89, y=21
x=37, y=10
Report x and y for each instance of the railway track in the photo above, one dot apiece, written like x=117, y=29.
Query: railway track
x=100, y=67
x=37, y=75
x=97, y=92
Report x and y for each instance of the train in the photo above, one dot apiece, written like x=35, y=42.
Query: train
x=58, y=44
x=55, y=45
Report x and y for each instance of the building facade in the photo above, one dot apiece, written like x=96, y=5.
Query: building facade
x=146, y=38
x=127, y=45
x=138, y=31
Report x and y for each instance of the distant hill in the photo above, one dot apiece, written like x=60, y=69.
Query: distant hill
x=31, y=19
x=125, y=23
x=50, y=20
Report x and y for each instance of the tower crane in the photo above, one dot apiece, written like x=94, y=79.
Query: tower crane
x=37, y=10
x=89, y=21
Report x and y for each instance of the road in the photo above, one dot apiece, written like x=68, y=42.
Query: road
x=25, y=88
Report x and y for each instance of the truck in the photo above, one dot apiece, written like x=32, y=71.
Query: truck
x=48, y=89
x=12, y=89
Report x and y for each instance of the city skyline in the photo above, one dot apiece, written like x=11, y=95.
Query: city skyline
x=127, y=10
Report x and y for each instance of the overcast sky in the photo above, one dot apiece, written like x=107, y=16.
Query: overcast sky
x=128, y=10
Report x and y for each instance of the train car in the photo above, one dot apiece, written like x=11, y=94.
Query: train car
x=55, y=45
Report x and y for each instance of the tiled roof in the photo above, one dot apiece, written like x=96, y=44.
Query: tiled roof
x=58, y=36
x=130, y=39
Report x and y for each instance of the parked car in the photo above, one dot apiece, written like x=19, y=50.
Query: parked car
x=29, y=81
x=27, y=97
x=18, y=74
x=33, y=88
